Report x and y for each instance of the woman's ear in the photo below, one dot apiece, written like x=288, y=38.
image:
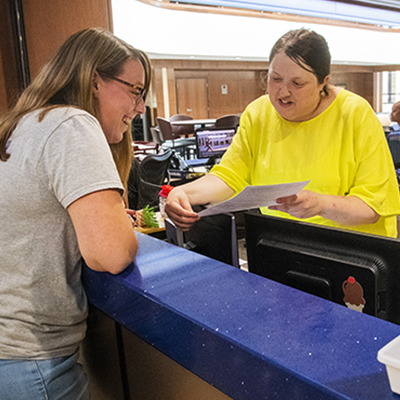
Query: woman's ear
x=95, y=82
x=323, y=85
x=325, y=82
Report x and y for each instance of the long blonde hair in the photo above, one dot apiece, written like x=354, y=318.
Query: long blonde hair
x=66, y=80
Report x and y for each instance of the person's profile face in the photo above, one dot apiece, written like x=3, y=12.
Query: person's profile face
x=395, y=114
x=294, y=92
x=119, y=103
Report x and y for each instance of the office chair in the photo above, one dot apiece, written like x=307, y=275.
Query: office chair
x=170, y=140
x=156, y=136
x=146, y=178
x=394, y=146
x=142, y=148
x=137, y=129
x=166, y=129
x=181, y=130
x=227, y=121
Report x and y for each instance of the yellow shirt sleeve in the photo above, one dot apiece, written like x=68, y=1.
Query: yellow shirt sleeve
x=342, y=151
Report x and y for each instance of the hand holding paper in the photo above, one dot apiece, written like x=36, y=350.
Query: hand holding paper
x=255, y=197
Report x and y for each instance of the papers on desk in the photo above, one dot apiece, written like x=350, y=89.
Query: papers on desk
x=254, y=197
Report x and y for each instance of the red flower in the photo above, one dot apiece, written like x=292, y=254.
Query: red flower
x=165, y=189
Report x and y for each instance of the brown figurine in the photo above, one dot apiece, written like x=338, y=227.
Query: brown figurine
x=353, y=294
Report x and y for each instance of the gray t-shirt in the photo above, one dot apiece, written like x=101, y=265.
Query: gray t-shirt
x=43, y=306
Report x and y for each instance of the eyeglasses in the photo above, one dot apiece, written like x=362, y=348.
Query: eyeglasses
x=141, y=92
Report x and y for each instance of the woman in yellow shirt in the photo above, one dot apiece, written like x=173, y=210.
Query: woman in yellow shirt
x=305, y=129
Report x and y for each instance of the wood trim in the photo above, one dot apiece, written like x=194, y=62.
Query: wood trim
x=10, y=87
x=208, y=64
x=110, y=16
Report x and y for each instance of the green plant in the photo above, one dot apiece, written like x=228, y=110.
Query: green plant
x=149, y=217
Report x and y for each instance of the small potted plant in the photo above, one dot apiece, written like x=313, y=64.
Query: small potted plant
x=164, y=192
x=146, y=218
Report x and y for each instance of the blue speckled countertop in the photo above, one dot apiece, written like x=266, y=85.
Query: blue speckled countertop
x=250, y=337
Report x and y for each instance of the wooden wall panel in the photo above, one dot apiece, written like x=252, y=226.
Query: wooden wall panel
x=157, y=100
x=49, y=23
x=242, y=88
x=209, y=65
x=220, y=103
x=192, y=97
x=191, y=73
x=9, y=86
x=245, y=81
x=171, y=91
x=361, y=83
x=251, y=86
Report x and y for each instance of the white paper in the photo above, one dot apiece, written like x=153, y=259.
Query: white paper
x=255, y=197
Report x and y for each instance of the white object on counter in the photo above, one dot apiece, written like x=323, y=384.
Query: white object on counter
x=390, y=356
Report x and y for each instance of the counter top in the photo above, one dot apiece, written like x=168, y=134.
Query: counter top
x=250, y=337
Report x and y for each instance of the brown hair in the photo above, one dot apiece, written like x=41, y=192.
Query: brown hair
x=306, y=48
x=66, y=80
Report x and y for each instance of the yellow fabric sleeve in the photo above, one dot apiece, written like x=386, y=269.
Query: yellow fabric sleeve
x=343, y=151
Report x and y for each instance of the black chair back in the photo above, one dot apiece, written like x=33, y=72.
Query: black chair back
x=146, y=178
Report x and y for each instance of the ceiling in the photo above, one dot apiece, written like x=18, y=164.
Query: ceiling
x=233, y=29
x=384, y=13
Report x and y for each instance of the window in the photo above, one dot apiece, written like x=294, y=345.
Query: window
x=390, y=89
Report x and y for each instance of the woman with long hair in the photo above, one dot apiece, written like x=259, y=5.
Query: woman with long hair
x=65, y=156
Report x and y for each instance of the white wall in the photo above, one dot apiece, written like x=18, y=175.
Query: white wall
x=163, y=32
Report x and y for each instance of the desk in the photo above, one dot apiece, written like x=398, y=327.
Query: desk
x=148, y=230
x=247, y=336
x=184, y=146
x=201, y=122
x=152, y=231
x=141, y=148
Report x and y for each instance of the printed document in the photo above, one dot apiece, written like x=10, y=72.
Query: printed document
x=254, y=197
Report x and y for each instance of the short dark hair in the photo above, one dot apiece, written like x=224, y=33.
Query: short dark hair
x=305, y=47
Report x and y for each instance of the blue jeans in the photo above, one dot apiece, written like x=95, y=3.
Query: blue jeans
x=59, y=378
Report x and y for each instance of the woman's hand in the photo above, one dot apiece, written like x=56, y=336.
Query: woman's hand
x=179, y=209
x=131, y=214
x=305, y=204
x=345, y=210
x=207, y=189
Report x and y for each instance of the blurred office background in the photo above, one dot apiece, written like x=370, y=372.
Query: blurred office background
x=209, y=56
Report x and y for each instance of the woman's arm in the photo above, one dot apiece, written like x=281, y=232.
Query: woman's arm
x=345, y=210
x=106, y=238
x=208, y=189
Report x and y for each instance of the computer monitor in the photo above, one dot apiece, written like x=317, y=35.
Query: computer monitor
x=213, y=236
x=356, y=270
x=212, y=143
